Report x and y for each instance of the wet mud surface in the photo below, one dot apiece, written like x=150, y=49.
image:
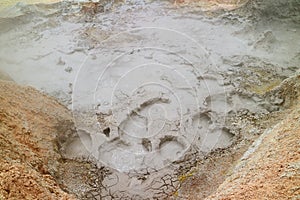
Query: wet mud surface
x=154, y=88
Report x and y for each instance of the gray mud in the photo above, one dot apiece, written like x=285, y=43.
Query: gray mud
x=151, y=85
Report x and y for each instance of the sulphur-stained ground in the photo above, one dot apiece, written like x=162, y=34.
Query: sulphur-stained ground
x=272, y=171
x=28, y=151
x=269, y=169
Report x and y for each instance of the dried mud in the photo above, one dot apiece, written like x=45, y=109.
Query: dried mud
x=165, y=97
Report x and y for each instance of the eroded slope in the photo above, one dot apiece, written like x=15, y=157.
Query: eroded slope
x=28, y=151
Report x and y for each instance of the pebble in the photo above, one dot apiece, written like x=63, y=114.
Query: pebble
x=69, y=69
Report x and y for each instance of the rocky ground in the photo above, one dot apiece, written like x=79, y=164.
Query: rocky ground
x=270, y=169
x=29, y=154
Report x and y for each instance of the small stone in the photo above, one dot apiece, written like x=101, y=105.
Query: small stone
x=256, y=99
x=69, y=69
x=278, y=101
x=254, y=131
x=61, y=62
